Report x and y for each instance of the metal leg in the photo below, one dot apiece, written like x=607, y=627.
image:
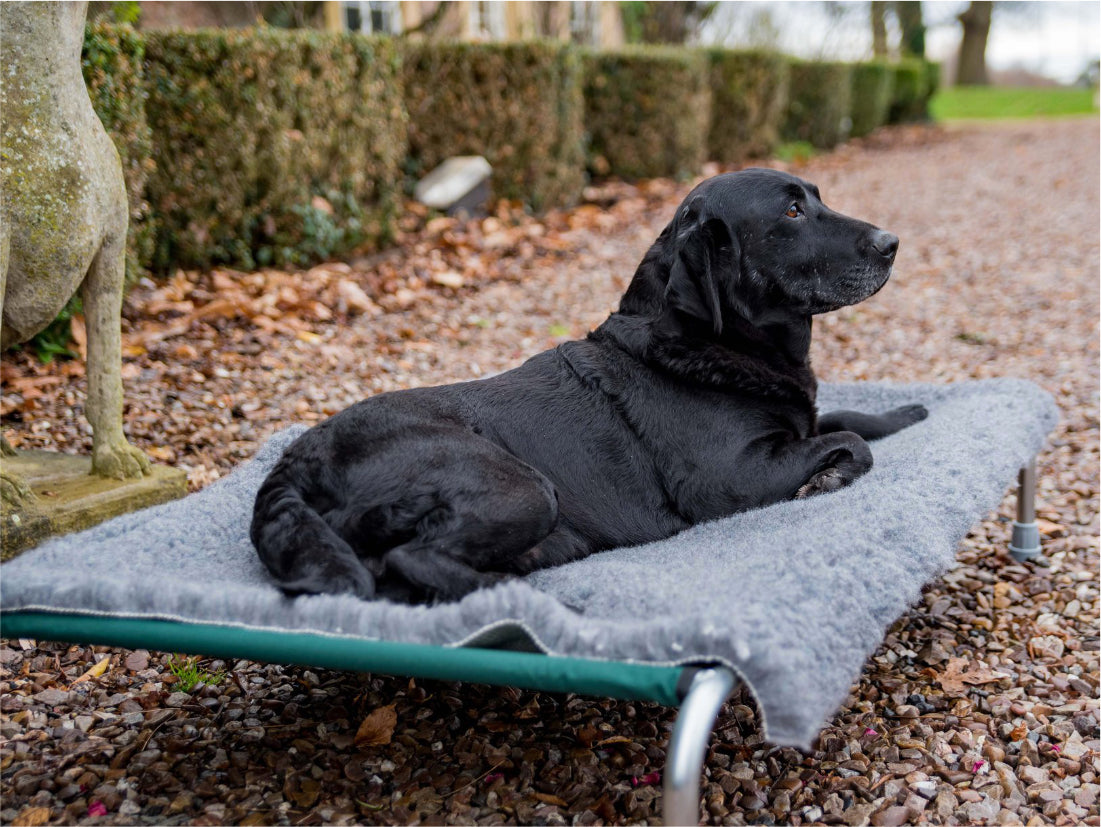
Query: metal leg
x=684, y=760
x=1025, y=544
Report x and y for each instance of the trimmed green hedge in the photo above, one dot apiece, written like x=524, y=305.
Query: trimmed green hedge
x=749, y=91
x=819, y=103
x=872, y=85
x=112, y=66
x=647, y=111
x=915, y=82
x=271, y=146
x=517, y=104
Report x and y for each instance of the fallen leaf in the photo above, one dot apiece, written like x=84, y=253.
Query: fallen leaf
x=95, y=671
x=32, y=817
x=956, y=675
x=377, y=728
x=80, y=335
x=547, y=798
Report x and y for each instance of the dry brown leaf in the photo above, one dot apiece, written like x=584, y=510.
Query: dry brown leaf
x=377, y=728
x=956, y=675
x=79, y=332
x=95, y=671
x=32, y=817
x=547, y=798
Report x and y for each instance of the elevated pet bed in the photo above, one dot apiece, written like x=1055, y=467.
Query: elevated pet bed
x=791, y=599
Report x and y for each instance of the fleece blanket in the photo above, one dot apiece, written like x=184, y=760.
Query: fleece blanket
x=793, y=597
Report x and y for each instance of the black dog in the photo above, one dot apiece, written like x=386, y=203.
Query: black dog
x=693, y=401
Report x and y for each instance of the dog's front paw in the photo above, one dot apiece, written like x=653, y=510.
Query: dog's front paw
x=822, y=483
x=120, y=461
x=907, y=415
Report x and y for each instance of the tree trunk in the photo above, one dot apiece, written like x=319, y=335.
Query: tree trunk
x=879, y=28
x=913, y=28
x=971, y=68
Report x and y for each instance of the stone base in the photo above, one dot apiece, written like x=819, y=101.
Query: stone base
x=70, y=499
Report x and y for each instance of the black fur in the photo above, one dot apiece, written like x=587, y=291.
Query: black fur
x=694, y=400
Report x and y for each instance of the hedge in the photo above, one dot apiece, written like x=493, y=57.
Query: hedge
x=872, y=83
x=749, y=91
x=915, y=82
x=517, y=104
x=271, y=146
x=819, y=104
x=647, y=111
x=112, y=66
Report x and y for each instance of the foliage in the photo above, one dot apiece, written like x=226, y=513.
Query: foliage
x=190, y=675
x=112, y=66
x=55, y=339
x=915, y=81
x=647, y=111
x=819, y=103
x=958, y=102
x=517, y=104
x=272, y=146
x=749, y=92
x=667, y=21
x=871, y=96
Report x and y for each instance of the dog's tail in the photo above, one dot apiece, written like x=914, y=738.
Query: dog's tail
x=299, y=548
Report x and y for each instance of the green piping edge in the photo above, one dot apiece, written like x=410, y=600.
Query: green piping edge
x=552, y=673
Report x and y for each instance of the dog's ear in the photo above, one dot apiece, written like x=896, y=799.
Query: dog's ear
x=703, y=251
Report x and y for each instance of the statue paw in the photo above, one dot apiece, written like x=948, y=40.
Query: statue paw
x=120, y=461
x=14, y=492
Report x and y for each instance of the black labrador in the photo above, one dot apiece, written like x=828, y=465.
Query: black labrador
x=694, y=400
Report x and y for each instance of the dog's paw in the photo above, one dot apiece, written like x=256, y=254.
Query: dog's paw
x=821, y=483
x=120, y=461
x=908, y=415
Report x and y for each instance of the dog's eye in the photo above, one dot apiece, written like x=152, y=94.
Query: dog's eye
x=794, y=211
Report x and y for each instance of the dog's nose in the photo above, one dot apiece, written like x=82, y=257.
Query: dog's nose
x=885, y=243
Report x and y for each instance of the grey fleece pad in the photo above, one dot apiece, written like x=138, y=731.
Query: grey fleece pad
x=794, y=597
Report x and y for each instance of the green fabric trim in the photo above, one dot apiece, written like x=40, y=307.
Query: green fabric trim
x=611, y=679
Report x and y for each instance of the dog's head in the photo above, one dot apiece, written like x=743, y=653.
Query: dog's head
x=758, y=243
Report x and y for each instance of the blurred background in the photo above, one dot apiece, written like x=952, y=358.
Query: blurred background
x=1001, y=43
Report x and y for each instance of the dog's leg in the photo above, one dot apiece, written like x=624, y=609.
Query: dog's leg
x=487, y=517
x=428, y=567
x=872, y=426
x=112, y=455
x=805, y=467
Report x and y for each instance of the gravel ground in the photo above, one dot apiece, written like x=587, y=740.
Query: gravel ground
x=981, y=706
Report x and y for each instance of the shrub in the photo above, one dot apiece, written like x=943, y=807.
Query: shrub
x=112, y=67
x=647, y=111
x=819, y=103
x=272, y=146
x=871, y=93
x=517, y=104
x=749, y=98
x=915, y=81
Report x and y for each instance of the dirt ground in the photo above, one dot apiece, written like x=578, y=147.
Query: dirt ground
x=997, y=275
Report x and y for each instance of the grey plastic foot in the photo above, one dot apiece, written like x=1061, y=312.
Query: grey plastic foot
x=684, y=760
x=1025, y=542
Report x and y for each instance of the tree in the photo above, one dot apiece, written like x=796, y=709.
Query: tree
x=913, y=28
x=971, y=68
x=676, y=21
x=907, y=14
x=879, y=27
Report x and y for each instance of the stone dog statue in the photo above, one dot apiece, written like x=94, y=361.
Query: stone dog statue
x=63, y=216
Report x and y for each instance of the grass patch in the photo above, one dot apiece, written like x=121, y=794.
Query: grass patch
x=190, y=675
x=964, y=102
